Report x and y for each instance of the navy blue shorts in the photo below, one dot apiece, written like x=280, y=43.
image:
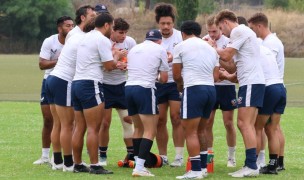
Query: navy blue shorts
x=167, y=92
x=197, y=101
x=43, y=97
x=141, y=100
x=225, y=97
x=86, y=94
x=251, y=95
x=58, y=91
x=274, y=100
x=115, y=96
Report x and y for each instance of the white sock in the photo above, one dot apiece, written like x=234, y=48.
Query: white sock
x=231, y=152
x=139, y=164
x=95, y=164
x=164, y=157
x=179, y=152
x=45, y=152
x=210, y=149
x=261, y=156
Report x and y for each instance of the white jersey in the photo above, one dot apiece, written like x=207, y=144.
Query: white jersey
x=93, y=50
x=198, y=59
x=270, y=67
x=275, y=45
x=222, y=44
x=66, y=64
x=145, y=60
x=118, y=76
x=168, y=44
x=249, y=70
x=75, y=30
x=50, y=50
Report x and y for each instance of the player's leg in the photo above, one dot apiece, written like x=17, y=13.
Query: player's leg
x=104, y=136
x=261, y=156
x=162, y=136
x=55, y=137
x=282, y=148
x=230, y=137
x=209, y=131
x=66, y=115
x=259, y=128
x=271, y=130
x=128, y=131
x=77, y=141
x=177, y=133
x=46, y=128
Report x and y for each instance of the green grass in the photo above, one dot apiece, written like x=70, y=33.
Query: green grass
x=20, y=145
x=21, y=122
x=20, y=79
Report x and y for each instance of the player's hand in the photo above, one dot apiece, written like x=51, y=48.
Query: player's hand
x=121, y=65
x=212, y=43
x=223, y=74
x=170, y=57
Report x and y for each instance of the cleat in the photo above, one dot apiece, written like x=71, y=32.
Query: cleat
x=81, y=168
x=165, y=162
x=57, y=166
x=99, y=170
x=204, y=172
x=267, y=170
x=177, y=162
x=231, y=163
x=281, y=168
x=246, y=172
x=191, y=175
x=42, y=160
x=103, y=161
x=68, y=169
x=143, y=173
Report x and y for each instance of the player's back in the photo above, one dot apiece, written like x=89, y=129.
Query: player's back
x=144, y=61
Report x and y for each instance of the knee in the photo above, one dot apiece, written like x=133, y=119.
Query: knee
x=105, y=125
x=241, y=125
x=162, y=122
x=175, y=120
x=229, y=125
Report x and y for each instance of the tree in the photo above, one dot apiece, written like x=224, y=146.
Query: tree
x=277, y=3
x=187, y=10
x=31, y=19
x=296, y=5
x=34, y=18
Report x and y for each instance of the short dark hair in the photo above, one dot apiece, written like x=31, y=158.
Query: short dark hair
x=242, y=20
x=89, y=26
x=102, y=19
x=121, y=24
x=82, y=11
x=61, y=20
x=225, y=14
x=191, y=28
x=164, y=10
x=259, y=18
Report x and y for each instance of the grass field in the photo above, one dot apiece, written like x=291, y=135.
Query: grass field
x=21, y=122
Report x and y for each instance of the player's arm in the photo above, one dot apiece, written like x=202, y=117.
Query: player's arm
x=226, y=54
x=46, y=64
x=228, y=66
x=163, y=77
x=223, y=74
x=177, y=75
x=111, y=65
x=216, y=73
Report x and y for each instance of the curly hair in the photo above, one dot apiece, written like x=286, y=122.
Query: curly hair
x=164, y=10
x=120, y=24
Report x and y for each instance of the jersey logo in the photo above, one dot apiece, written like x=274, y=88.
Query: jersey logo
x=224, y=46
x=240, y=100
x=233, y=102
x=42, y=99
x=174, y=44
x=53, y=51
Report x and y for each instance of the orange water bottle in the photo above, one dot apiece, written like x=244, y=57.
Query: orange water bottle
x=188, y=165
x=210, y=161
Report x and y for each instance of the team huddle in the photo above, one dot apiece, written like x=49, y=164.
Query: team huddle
x=95, y=67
